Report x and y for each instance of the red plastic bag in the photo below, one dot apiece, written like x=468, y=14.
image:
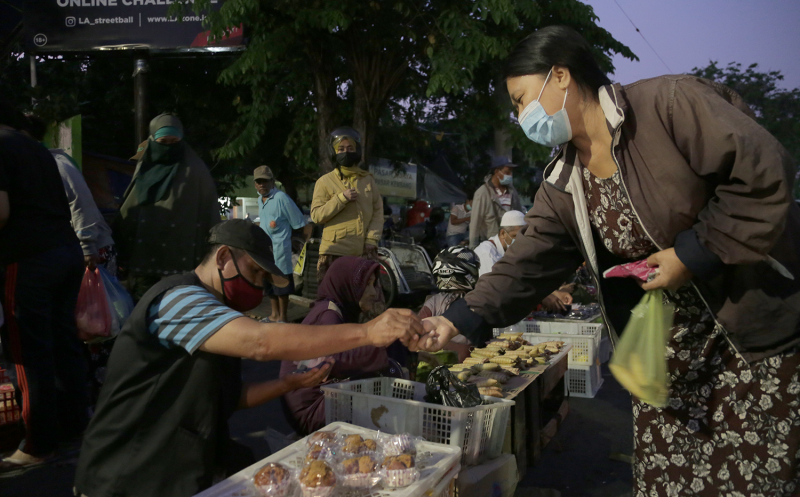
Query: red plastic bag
x=92, y=314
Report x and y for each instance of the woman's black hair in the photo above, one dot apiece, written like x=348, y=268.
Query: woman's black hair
x=557, y=46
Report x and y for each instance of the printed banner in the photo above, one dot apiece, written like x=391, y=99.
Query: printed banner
x=393, y=182
x=84, y=25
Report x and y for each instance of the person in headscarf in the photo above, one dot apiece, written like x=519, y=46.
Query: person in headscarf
x=167, y=209
x=350, y=293
x=348, y=203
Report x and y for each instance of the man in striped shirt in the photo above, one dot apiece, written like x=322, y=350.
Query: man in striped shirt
x=174, y=374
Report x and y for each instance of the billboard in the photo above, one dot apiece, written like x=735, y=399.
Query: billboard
x=395, y=182
x=84, y=25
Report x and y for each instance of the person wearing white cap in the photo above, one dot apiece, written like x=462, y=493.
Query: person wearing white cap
x=491, y=250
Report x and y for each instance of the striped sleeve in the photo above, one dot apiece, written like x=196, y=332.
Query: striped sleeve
x=186, y=316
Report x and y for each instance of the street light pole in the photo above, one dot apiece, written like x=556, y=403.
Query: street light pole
x=140, y=70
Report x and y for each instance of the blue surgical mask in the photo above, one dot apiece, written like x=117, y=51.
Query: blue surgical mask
x=550, y=131
x=507, y=179
x=469, y=207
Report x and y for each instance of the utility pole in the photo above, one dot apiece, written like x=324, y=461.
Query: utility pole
x=32, y=58
x=140, y=70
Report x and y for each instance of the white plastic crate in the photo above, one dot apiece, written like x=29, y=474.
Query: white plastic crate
x=393, y=405
x=583, y=381
x=584, y=348
x=514, y=328
x=438, y=466
x=562, y=327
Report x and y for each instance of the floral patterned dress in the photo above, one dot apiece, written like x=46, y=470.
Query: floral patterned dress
x=731, y=428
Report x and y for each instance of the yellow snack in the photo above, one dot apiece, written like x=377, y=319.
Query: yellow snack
x=504, y=360
x=483, y=382
x=489, y=366
x=471, y=361
x=491, y=392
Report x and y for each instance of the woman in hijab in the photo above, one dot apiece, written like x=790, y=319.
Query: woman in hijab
x=168, y=209
x=349, y=293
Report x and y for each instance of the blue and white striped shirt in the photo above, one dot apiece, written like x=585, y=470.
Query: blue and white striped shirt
x=187, y=316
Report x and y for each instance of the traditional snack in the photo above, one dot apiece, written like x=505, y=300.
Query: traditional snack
x=317, y=479
x=494, y=375
x=322, y=436
x=360, y=471
x=318, y=451
x=476, y=360
x=483, y=382
x=273, y=480
x=400, y=470
x=397, y=445
x=491, y=391
x=355, y=445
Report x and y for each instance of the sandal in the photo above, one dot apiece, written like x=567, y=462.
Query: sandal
x=11, y=467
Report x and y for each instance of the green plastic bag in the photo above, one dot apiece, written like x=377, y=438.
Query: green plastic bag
x=639, y=362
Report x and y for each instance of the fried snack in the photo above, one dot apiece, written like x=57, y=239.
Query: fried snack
x=322, y=436
x=271, y=474
x=483, y=382
x=317, y=474
x=504, y=360
x=491, y=391
x=475, y=360
x=356, y=465
x=403, y=461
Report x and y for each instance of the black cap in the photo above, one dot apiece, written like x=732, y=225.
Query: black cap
x=501, y=161
x=243, y=234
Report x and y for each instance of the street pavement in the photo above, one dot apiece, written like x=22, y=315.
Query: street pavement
x=575, y=463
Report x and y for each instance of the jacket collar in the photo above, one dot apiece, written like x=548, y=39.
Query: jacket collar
x=558, y=172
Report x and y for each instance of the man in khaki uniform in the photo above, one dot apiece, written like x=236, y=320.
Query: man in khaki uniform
x=348, y=203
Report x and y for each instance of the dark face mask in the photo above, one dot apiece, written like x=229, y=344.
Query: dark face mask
x=238, y=293
x=347, y=159
x=162, y=153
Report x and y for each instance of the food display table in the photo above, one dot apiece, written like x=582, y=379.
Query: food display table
x=438, y=466
x=526, y=433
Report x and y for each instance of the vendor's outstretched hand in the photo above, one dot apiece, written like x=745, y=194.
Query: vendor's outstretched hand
x=672, y=274
x=439, y=331
x=395, y=324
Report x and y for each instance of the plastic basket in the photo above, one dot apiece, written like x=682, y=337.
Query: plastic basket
x=396, y=406
x=584, y=348
x=438, y=465
x=563, y=327
x=583, y=381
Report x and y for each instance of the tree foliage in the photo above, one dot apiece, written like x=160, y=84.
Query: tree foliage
x=391, y=64
x=777, y=109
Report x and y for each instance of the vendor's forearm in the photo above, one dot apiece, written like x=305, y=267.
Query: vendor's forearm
x=296, y=342
x=255, y=394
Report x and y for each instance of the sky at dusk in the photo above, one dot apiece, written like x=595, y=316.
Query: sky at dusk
x=690, y=33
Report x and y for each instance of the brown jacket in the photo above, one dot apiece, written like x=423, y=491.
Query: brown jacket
x=703, y=177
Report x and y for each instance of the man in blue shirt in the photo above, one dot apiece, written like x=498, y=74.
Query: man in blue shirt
x=279, y=216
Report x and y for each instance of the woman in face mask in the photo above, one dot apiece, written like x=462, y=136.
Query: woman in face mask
x=350, y=293
x=348, y=203
x=674, y=170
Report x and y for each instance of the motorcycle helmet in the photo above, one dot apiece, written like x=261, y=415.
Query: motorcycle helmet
x=456, y=268
x=344, y=159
